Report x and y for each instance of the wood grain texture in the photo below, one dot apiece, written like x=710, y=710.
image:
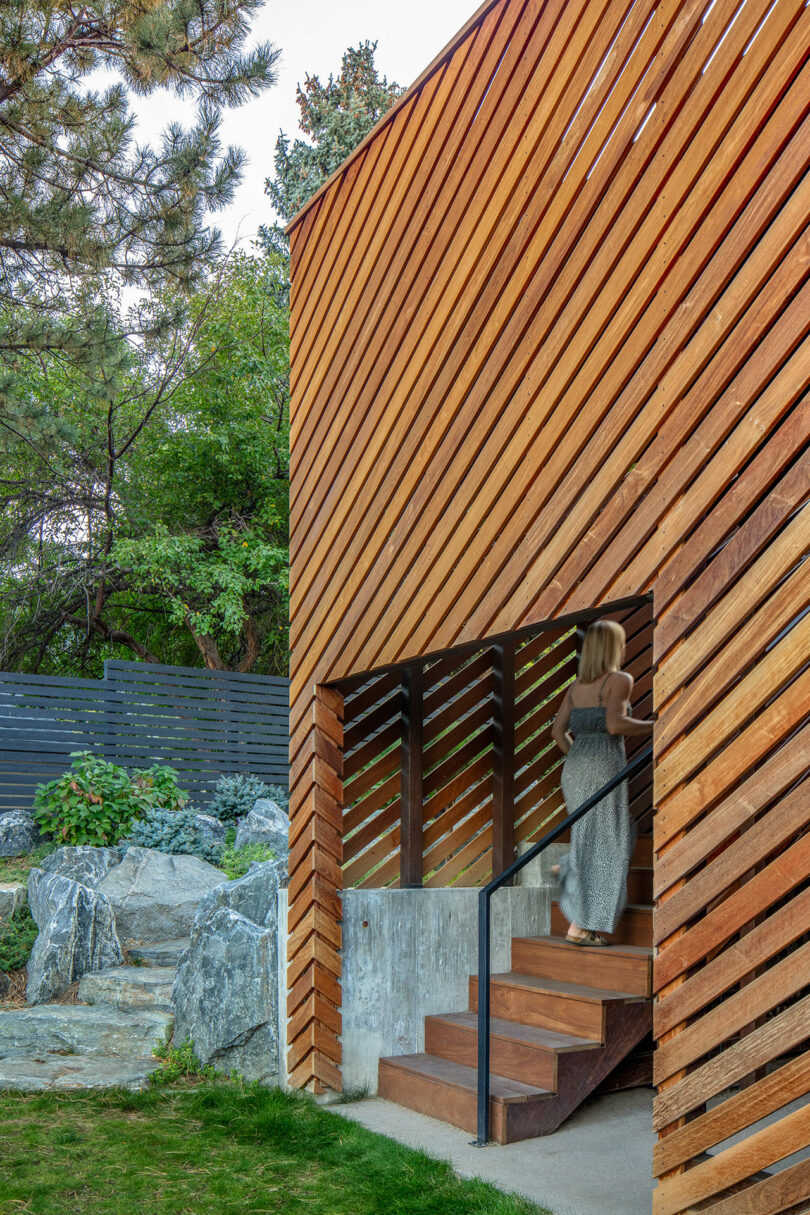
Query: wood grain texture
x=551, y=353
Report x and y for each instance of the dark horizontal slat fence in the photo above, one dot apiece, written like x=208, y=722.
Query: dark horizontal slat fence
x=203, y=723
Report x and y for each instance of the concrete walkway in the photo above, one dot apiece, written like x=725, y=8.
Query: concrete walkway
x=598, y=1163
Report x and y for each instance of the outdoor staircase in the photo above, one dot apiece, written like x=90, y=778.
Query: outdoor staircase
x=566, y=1020
x=104, y=1040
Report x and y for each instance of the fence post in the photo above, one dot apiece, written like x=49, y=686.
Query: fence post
x=503, y=772
x=410, y=863
x=107, y=730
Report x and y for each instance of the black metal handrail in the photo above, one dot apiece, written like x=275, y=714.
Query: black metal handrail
x=484, y=897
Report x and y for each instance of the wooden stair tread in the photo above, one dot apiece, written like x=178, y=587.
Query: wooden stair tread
x=624, y=951
x=456, y=1075
x=516, y=1031
x=574, y=991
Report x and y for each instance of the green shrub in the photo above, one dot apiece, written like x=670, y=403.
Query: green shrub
x=180, y=1062
x=159, y=784
x=174, y=831
x=234, y=797
x=17, y=936
x=95, y=801
x=279, y=795
x=236, y=861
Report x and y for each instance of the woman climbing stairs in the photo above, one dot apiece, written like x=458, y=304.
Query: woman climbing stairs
x=563, y=1019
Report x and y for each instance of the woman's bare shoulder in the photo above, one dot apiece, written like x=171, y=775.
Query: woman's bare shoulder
x=621, y=682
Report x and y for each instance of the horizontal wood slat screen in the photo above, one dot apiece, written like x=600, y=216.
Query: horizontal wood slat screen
x=203, y=723
x=551, y=351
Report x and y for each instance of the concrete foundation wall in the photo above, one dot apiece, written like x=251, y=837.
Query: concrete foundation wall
x=409, y=953
x=538, y=871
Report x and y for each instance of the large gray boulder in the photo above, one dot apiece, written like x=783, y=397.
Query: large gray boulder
x=83, y=1029
x=254, y=896
x=210, y=828
x=225, y=996
x=19, y=834
x=154, y=895
x=83, y=863
x=12, y=898
x=265, y=824
x=77, y=934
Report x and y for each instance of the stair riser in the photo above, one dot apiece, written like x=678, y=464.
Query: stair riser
x=588, y=966
x=526, y=1005
x=19, y=1035
x=428, y=1096
x=515, y=1060
x=640, y=886
x=579, y=1075
x=634, y=928
x=101, y=988
x=74, y=1073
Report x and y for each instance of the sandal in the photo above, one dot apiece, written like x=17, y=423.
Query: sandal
x=592, y=938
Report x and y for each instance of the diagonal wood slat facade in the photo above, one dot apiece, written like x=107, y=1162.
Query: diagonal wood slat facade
x=550, y=354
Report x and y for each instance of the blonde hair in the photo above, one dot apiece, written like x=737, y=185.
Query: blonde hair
x=601, y=650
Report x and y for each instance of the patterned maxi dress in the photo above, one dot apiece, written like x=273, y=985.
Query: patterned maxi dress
x=593, y=874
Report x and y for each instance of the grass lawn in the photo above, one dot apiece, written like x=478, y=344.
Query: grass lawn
x=17, y=868
x=214, y=1148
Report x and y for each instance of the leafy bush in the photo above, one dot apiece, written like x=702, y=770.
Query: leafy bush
x=159, y=783
x=234, y=796
x=180, y=1062
x=17, y=936
x=236, y=861
x=95, y=801
x=174, y=831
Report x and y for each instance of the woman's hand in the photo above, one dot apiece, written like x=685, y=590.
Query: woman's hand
x=559, y=731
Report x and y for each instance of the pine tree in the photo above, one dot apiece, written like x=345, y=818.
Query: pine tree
x=336, y=116
x=80, y=201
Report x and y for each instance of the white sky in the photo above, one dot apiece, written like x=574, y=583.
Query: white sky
x=312, y=36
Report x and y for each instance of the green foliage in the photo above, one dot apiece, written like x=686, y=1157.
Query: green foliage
x=95, y=801
x=237, y=861
x=17, y=868
x=215, y=1148
x=160, y=787
x=17, y=936
x=279, y=795
x=179, y=475
x=234, y=797
x=180, y=1063
x=80, y=199
x=174, y=831
x=336, y=116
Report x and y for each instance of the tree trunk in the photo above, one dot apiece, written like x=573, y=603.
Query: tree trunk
x=98, y=626
x=254, y=646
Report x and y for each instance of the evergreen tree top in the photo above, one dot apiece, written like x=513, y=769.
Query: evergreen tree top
x=79, y=197
x=336, y=116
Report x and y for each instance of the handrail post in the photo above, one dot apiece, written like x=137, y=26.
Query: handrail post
x=483, y=1016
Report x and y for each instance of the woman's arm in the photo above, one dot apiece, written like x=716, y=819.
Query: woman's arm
x=617, y=718
x=559, y=731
